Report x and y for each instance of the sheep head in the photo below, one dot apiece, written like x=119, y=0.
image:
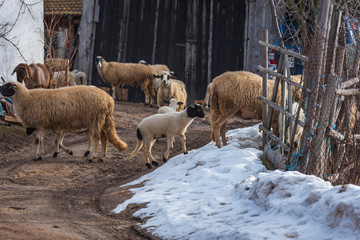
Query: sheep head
x=165, y=78
x=99, y=61
x=8, y=89
x=22, y=71
x=195, y=110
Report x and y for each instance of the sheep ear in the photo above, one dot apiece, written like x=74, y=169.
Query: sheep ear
x=180, y=103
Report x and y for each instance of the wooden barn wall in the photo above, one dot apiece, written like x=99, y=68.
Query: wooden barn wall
x=258, y=17
x=197, y=39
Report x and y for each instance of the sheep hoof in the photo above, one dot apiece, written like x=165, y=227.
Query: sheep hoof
x=151, y=105
x=39, y=158
x=148, y=165
x=164, y=159
x=186, y=152
x=145, y=104
x=55, y=154
x=86, y=153
x=70, y=152
x=155, y=163
x=90, y=160
x=101, y=160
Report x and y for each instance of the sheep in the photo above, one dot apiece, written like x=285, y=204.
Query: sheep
x=157, y=69
x=80, y=77
x=171, y=88
x=60, y=79
x=130, y=74
x=35, y=75
x=165, y=125
x=207, y=96
x=68, y=109
x=237, y=93
x=171, y=108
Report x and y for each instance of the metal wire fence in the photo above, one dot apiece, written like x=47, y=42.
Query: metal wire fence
x=327, y=32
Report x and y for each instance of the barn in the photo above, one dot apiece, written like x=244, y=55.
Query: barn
x=197, y=39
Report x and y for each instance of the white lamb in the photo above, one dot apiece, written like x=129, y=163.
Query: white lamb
x=165, y=125
x=171, y=108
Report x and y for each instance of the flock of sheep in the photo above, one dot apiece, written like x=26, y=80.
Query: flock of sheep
x=43, y=104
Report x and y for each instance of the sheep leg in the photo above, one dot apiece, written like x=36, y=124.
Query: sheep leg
x=183, y=141
x=113, y=90
x=96, y=147
x=91, y=144
x=170, y=146
x=147, y=152
x=147, y=96
x=103, y=148
x=218, y=124
x=222, y=133
x=39, y=141
x=59, y=143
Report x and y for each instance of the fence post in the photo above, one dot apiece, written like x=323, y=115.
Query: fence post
x=265, y=89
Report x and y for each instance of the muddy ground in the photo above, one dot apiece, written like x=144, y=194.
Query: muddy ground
x=67, y=197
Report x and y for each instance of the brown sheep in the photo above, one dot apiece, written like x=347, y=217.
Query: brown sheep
x=236, y=93
x=130, y=74
x=68, y=109
x=35, y=75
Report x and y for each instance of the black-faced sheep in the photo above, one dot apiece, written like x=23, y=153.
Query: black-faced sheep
x=171, y=88
x=207, y=96
x=171, y=108
x=165, y=125
x=80, y=77
x=35, y=75
x=130, y=74
x=236, y=93
x=68, y=109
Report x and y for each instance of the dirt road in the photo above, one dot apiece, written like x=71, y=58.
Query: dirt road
x=67, y=197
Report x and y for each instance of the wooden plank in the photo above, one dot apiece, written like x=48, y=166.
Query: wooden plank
x=273, y=137
x=279, y=75
x=347, y=92
x=284, y=51
x=265, y=62
x=280, y=109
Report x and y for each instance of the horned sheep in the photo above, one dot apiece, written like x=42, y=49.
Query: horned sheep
x=130, y=74
x=171, y=88
x=35, y=75
x=237, y=93
x=165, y=125
x=68, y=109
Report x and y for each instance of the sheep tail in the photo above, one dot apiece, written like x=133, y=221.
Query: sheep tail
x=139, y=143
x=112, y=136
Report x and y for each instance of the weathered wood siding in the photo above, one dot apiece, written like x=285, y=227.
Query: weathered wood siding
x=197, y=39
